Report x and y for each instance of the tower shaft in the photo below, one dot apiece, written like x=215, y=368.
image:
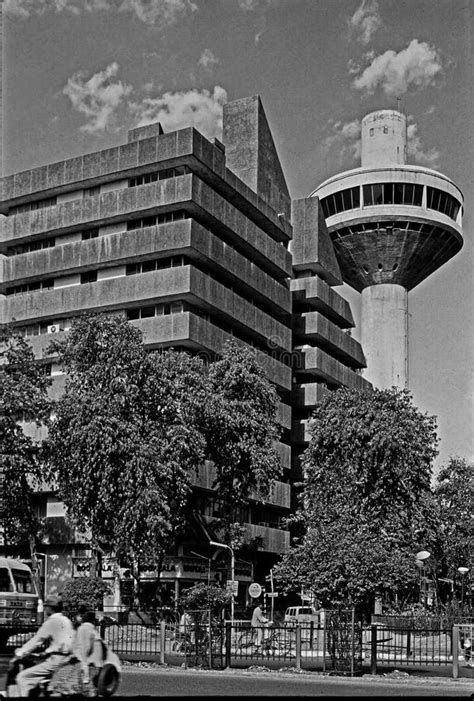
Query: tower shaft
x=384, y=335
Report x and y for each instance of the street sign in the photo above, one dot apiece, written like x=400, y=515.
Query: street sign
x=255, y=590
x=233, y=586
x=272, y=594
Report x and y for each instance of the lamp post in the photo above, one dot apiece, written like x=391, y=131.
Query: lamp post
x=463, y=572
x=421, y=558
x=45, y=572
x=232, y=567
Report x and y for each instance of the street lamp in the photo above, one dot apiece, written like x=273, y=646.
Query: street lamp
x=421, y=558
x=45, y=572
x=232, y=567
x=463, y=572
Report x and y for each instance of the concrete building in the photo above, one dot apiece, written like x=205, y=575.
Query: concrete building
x=392, y=225
x=325, y=355
x=189, y=240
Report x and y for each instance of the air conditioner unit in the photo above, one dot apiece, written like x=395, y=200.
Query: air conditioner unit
x=53, y=328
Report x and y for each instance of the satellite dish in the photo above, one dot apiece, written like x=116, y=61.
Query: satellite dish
x=423, y=555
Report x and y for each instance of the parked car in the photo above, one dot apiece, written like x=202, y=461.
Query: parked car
x=301, y=614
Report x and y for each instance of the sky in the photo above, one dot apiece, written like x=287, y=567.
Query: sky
x=79, y=73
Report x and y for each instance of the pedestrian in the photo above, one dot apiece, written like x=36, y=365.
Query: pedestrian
x=258, y=623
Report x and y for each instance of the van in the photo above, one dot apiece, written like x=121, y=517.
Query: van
x=301, y=614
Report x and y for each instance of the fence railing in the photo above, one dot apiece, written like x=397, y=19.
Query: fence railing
x=349, y=648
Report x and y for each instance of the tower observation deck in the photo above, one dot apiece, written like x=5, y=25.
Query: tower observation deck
x=392, y=225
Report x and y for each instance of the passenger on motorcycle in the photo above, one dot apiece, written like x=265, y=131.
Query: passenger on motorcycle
x=58, y=633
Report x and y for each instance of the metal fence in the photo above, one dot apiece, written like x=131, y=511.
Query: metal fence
x=343, y=646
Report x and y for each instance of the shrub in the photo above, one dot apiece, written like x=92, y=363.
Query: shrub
x=85, y=591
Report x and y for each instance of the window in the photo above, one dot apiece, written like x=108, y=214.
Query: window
x=341, y=201
x=90, y=234
x=442, y=202
x=33, y=206
x=31, y=287
x=392, y=193
x=385, y=130
x=164, y=174
x=23, y=581
x=89, y=276
x=371, y=131
x=156, y=220
x=5, y=581
x=90, y=191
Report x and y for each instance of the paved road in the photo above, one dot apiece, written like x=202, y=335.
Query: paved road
x=168, y=681
x=172, y=682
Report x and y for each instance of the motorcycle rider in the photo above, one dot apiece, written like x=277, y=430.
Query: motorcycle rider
x=58, y=632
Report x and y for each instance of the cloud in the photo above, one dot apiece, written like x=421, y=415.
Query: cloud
x=251, y=5
x=344, y=141
x=99, y=97
x=158, y=12
x=208, y=60
x=417, y=151
x=152, y=12
x=416, y=67
x=199, y=108
x=365, y=21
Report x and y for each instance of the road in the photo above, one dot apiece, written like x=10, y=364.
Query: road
x=168, y=681
x=172, y=682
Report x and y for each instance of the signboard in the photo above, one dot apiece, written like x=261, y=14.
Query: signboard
x=255, y=590
x=272, y=594
x=233, y=586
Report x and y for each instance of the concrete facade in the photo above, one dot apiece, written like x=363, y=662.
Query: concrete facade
x=195, y=242
x=325, y=355
x=391, y=225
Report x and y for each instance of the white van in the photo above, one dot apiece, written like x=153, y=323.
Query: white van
x=301, y=614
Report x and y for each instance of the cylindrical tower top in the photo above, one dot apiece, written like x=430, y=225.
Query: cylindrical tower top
x=384, y=138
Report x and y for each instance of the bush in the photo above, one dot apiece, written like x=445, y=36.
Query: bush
x=85, y=591
x=203, y=597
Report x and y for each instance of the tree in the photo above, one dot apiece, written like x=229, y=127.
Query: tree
x=365, y=504
x=84, y=591
x=454, y=493
x=241, y=431
x=23, y=398
x=205, y=597
x=123, y=445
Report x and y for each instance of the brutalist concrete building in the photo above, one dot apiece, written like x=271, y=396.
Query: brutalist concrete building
x=190, y=240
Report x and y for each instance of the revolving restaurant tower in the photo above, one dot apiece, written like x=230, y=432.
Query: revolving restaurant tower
x=392, y=225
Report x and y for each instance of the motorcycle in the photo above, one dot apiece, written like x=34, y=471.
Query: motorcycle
x=103, y=679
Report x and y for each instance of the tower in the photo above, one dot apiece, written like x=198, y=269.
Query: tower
x=392, y=225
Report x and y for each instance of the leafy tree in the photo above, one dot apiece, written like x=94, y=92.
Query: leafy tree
x=241, y=430
x=124, y=444
x=454, y=493
x=84, y=591
x=205, y=597
x=365, y=505
x=23, y=397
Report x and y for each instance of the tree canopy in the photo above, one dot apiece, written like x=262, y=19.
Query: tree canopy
x=454, y=493
x=133, y=426
x=365, y=502
x=241, y=431
x=23, y=398
x=124, y=443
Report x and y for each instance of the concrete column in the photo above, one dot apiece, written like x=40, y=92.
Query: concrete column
x=384, y=335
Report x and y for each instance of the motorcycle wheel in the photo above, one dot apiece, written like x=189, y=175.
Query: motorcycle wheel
x=107, y=680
